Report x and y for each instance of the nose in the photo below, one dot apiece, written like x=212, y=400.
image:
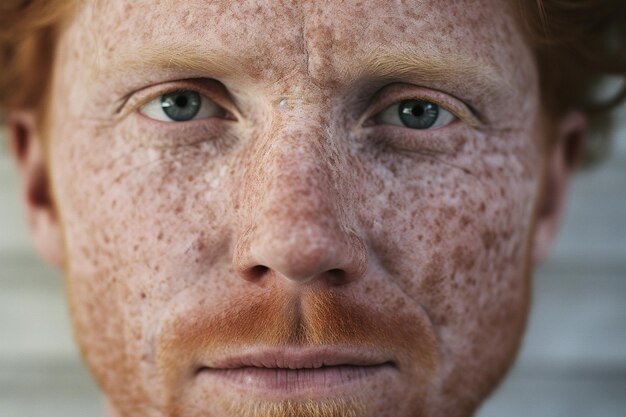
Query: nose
x=295, y=217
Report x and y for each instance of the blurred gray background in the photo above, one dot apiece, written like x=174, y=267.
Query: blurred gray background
x=573, y=362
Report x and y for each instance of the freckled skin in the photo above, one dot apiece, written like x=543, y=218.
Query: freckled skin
x=168, y=225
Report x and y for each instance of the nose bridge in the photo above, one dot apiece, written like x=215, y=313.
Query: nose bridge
x=293, y=223
x=298, y=175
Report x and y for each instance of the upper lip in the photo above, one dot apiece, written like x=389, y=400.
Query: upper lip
x=298, y=358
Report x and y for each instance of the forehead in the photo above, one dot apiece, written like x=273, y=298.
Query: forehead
x=271, y=17
x=330, y=40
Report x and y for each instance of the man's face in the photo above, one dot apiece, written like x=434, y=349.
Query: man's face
x=349, y=183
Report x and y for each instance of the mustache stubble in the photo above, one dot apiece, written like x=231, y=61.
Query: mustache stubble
x=273, y=319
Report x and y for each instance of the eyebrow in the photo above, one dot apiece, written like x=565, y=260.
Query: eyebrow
x=438, y=68
x=169, y=57
x=407, y=64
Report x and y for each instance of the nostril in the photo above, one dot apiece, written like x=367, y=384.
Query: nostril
x=336, y=276
x=256, y=272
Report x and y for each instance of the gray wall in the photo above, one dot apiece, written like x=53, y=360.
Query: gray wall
x=573, y=362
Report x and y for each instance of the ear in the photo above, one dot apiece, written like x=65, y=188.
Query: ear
x=27, y=150
x=562, y=160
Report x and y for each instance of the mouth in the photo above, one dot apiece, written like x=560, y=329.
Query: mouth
x=307, y=371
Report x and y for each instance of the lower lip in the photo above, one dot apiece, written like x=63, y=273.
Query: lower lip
x=279, y=381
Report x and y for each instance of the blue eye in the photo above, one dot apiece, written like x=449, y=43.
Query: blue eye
x=181, y=106
x=415, y=114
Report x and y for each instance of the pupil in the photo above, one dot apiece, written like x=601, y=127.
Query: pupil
x=418, y=110
x=181, y=101
x=418, y=114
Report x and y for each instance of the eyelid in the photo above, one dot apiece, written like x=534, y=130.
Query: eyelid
x=395, y=93
x=216, y=93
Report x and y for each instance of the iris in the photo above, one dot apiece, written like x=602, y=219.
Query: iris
x=181, y=106
x=418, y=114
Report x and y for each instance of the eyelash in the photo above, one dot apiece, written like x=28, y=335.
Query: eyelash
x=392, y=135
x=134, y=101
x=397, y=93
x=214, y=138
x=418, y=141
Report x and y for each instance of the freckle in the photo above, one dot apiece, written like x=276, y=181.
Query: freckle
x=143, y=295
x=387, y=214
x=463, y=257
x=433, y=275
x=465, y=220
x=449, y=213
x=135, y=248
x=482, y=207
x=160, y=235
x=368, y=289
x=488, y=238
x=393, y=169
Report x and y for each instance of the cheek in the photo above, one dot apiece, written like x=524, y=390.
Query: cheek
x=133, y=218
x=141, y=213
x=138, y=203
x=454, y=240
x=453, y=232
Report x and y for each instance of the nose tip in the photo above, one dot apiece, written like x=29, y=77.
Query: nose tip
x=333, y=259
